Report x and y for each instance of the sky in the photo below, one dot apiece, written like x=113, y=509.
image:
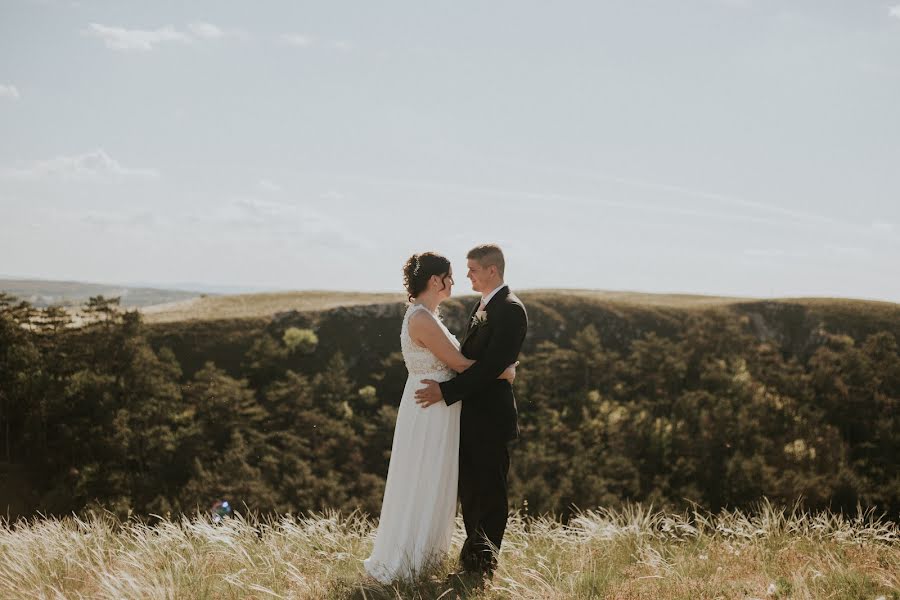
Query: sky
x=730, y=147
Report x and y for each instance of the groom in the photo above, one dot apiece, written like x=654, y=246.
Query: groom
x=488, y=419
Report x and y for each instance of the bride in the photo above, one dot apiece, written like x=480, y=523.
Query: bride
x=419, y=507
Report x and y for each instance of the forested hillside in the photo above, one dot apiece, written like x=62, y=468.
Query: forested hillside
x=619, y=401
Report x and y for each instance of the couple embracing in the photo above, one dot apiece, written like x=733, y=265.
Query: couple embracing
x=456, y=416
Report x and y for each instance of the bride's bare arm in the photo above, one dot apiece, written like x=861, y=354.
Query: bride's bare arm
x=425, y=331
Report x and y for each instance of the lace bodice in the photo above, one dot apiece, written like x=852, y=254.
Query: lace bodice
x=420, y=360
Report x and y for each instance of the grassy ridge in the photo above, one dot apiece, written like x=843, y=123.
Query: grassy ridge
x=223, y=328
x=628, y=554
x=243, y=306
x=237, y=306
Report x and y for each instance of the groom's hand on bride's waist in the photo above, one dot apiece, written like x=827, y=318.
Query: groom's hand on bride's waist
x=430, y=394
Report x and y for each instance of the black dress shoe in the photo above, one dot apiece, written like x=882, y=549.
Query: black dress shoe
x=465, y=577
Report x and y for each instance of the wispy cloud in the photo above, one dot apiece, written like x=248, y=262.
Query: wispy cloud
x=654, y=208
x=142, y=40
x=715, y=197
x=894, y=11
x=304, y=40
x=119, y=38
x=295, y=39
x=770, y=211
x=291, y=221
x=93, y=166
x=9, y=91
x=848, y=251
x=267, y=185
x=208, y=31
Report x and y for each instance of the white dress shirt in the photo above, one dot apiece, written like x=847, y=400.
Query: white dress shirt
x=487, y=298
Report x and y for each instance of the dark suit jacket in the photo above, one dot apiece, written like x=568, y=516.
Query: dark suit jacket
x=489, y=410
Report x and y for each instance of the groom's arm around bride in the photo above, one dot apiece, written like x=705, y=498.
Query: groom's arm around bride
x=508, y=323
x=494, y=345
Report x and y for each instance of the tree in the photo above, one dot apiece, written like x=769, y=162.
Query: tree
x=20, y=361
x=300, y=340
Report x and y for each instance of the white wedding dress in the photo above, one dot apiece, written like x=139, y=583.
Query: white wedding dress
x=419, y=507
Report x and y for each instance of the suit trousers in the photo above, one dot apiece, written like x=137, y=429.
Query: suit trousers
x=483, y=471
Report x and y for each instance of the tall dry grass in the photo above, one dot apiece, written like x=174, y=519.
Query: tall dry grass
x=635, y=552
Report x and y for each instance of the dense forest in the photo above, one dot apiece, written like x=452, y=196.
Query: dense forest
x=796, y=401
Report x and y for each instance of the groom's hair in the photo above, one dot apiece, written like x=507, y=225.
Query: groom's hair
x=487, y=255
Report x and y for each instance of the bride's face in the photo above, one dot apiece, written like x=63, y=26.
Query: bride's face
x=447, y=283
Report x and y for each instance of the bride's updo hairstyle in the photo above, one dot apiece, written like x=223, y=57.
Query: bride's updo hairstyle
x=419, y=269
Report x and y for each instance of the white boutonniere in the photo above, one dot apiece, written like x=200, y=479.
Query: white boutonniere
x=479, y=319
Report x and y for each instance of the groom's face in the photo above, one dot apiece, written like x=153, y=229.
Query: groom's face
x=478, y=275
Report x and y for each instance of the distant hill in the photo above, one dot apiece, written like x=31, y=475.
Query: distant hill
x=249, y=306
x=43, y=293
x=223, y=328
x=272, y=304
x=262, y=305
x=165, y=305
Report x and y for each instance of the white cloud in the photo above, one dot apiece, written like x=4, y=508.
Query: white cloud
x=258, y=219
x=295, y=39
x=894, y=11
x=9, y=91
x=302, y=40
x=119, y=38
x=208, y=31
x=883, y=227
x=796, y=216
x=93, y=166
x=268, y=186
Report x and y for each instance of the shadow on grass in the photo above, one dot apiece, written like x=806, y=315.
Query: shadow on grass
x=432, y=585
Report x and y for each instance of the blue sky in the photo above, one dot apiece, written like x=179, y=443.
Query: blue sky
x=743, y=147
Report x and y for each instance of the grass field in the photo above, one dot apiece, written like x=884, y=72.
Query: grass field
x=628, y=554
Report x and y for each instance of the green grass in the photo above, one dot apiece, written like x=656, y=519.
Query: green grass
x=627, y=554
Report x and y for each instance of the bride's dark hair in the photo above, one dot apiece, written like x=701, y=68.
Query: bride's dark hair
x=419, y=269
